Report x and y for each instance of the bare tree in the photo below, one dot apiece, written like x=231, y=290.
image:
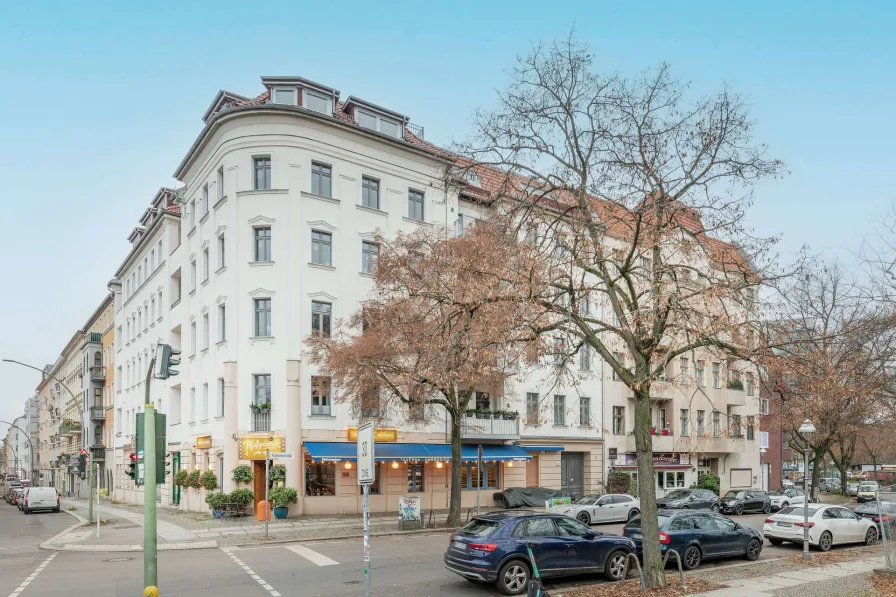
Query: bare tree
x=441, y=323
x=635, y=196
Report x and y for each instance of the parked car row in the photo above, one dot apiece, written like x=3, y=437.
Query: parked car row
x=32, y=499
x=828, y=526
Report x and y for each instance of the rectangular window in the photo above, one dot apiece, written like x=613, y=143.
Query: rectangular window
x=263, y=318
x=193, y=337
x=321, y=179
x=701, y=415
x=751, y=434
x=661, y=418
x=531, y=408
x=415, y=477
x=192, y=405
x=471, y=477
x=262, y=167
x=716, y=423
x=483, y=401
x=620, y=358
x=716, y=375
x=700, y=373
x=370, y=192
x=559, y=409
x=205, y=332
x=263, y=243
x=585, y=358
x=219, y=412
x=221, y=261
x=317, y=102
x=262, y=384
x=763, y=406
x=685, y=422
x=204, y=401
x=584, y=411
x=321, y=248
x=320, y=478
x=220, y=183
x=684, y=364
x=192, y=213
x=285, y=96
x=370, y=402
x=750, y=385
x=205, y=265
x=369, y=253
x=618, y=420
x=222, y=323
x=320, y=395
x=193, y=275
x=415, y=205
x=204, y=199
x=320, y=318
x=763, y=439
x=736, y=430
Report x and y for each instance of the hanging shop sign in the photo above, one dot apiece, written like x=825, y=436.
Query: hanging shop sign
x=204, y=442
x=253, y=448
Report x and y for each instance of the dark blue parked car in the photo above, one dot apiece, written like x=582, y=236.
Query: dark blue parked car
x=698, y=536
x=492, y=548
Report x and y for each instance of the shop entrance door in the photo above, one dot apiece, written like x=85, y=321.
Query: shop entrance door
x=572, y=473
x=258, y=481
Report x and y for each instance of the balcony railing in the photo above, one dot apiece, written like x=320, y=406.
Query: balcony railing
x=490, y=427
x=98, y=413
x=97, y=373
x=98, y=452
x=261, y=420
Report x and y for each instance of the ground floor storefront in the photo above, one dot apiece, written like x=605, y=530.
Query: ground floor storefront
x=675, y=470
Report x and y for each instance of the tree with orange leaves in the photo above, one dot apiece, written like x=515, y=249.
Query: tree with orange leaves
x=441, y=323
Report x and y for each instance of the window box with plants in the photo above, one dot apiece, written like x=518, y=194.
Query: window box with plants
x=509, y=415
x=281, y=498
x=261, y=407
x=736, y=384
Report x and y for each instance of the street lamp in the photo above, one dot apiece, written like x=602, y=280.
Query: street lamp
x=762, y=474
x=33, y=472
x=806, y=430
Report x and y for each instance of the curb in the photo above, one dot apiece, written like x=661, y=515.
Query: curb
x=342, y=537
x=48, y=544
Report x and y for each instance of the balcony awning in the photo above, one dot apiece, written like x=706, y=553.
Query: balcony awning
x=386, y=452
x=542, y=448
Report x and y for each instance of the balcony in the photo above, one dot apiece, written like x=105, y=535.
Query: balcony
x=661, y=443
x=735, y=395
x=261, y=419
x=98, y=373
x=490, y=427
x=98, y=413
x=98, y=452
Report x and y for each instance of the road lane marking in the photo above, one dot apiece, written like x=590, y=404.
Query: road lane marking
x=34, y=574
x=248, y=570
x=311, y=555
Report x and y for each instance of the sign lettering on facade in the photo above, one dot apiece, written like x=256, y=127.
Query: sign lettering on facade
x=379, y=435
x=658, y=459
x=253, y=448
x=204, y=442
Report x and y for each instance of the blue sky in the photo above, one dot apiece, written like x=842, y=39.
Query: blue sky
x=100, y=101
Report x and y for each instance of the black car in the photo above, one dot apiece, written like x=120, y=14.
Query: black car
x=698, y=536
x=689, y=499
x=750, y=500
x=492, y=548
x=886, y=514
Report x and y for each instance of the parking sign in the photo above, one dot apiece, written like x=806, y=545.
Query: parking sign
x=366, y=468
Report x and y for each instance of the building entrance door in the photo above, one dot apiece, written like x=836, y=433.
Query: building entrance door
x=572, y=473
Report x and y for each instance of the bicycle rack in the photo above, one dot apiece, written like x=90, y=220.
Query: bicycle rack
x=469, y=514
x=431, y=521
x=680, y=569
x=640, y=572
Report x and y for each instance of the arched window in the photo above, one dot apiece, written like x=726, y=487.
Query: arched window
x=98, y=359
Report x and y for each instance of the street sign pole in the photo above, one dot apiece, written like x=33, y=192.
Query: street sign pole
x=366, y=476
x=97, y=500
x=89, y=485
x=478, y=475
x=150, y=556
x=267, y=515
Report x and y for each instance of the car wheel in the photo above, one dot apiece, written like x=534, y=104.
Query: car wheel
x=754, y=548
x=784, y=505
x=583, y=517
x=871, y=536
x=691, y=558
x=776, y=542
x=825, y=541
x=513, y=578
x=715, y=508
x=633, y=512
x=739, y=509
x=616, y=567
x=766, y=508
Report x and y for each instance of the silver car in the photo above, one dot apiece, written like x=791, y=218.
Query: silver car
x=612, y=507
x=781, y=498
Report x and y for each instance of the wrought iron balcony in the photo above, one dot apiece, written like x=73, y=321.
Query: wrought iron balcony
x=261, y=419
x=98, y=452
x=98, y=413
x=98, y=373
x=490, y=427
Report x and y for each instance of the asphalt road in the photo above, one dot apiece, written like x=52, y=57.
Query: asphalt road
x=402, y=566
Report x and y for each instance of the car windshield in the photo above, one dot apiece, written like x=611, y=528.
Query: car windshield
x=480, y=528
x=798, y=511
x=586, y=501
x=731, y=494
x=678, y=494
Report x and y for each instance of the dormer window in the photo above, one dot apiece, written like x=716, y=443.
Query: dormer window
x=316, y=101
x=375, y=122
x=285, y=95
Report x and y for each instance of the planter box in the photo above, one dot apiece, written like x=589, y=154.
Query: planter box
x=281, y=513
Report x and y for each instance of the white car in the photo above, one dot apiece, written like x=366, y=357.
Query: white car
x=612, y=507
x=781, y=498
x=787, y=484
x=828, y=526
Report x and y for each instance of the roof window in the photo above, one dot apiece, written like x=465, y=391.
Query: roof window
x=284, y=95
x=375, y=122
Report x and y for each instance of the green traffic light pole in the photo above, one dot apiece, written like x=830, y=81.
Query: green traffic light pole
x=89, y=455
x=150, y=540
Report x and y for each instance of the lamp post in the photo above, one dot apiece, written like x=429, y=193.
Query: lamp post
x=806, y=430
x=17, y=454
x=763, y=477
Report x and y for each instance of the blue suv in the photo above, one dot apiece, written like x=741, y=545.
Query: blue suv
x=492, y=548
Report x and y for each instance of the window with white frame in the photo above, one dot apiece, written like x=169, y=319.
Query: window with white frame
x=285, y=95
x=262, y=170
x=618, y=420
x=716, y=375
x=684, y=369
x=204, y=203
x=700, y=373
x=192, y=275
x=684, y=423
x=320, y=318
x=763, y=439
x=415, y=204
x=751, y=384
x=262, y=317
x=317, y=102
x=221, y=260
x=222, y=323
x=262, y=243
x=193, y=404
x=320, y=395
x=321, y=248
x=585, y=358
x=559, y=409
x=321, y=179
x=205, y=402
x=763, y=406
x=219, y=182
x=620, y=358
x=370, y=192
x=205, y=265
x=205, y=331
x=193, y=337
x=370, y=120
x=584, y=411
x=192, y=213
x=220, y=403
x=369, y=253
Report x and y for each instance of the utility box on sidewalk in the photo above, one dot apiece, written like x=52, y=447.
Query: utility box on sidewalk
x=410, y=516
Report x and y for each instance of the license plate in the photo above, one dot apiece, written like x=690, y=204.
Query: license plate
x=636, y=535
x=459, y=545
x=785, y=524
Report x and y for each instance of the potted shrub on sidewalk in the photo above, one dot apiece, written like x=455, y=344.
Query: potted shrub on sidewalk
x=215, y=501
x=281, y=498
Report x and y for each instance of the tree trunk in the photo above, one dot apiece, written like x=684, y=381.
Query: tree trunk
x=817, y=459
x=650, y=532
x=456, y=464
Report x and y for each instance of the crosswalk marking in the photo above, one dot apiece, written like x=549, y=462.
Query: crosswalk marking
x=311, y=555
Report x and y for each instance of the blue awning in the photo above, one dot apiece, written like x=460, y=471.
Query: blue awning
x=542, y=448
x=348, y=451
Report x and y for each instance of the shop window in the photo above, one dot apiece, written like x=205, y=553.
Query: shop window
x=415, y=477
x=469, y=479
x=320, y=478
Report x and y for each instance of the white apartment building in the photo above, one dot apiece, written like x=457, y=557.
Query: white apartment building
x=145, y=290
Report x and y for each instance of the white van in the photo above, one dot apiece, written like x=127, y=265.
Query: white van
x=40, y=498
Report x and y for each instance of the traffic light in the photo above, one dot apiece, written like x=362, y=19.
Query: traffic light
x=82, y=465
x=132, y=467
x=166, y=359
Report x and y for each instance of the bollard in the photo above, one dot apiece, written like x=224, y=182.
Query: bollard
x=151, y=592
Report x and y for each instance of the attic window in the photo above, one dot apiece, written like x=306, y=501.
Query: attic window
x=369, y=120
x=317, y=102
x=285, y=96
